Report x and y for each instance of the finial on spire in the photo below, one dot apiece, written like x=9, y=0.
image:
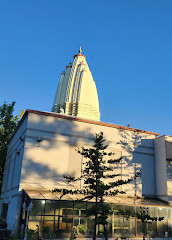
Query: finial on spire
x=80, y=51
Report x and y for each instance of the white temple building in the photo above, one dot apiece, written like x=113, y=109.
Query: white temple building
x=42, y=150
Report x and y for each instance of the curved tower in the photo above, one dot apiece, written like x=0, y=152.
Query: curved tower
x=76, y=93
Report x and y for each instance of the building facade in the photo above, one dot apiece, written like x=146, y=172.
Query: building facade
x=42, y=150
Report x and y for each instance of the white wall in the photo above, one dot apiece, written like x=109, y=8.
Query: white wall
x=45, y=164
x=10, y=188
x=160, y=168
x=34, y=165
x=168, y=146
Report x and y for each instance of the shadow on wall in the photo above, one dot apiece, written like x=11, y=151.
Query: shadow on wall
x=138, y=155
x=47, y=161
x=43, y=171
x=50, y=151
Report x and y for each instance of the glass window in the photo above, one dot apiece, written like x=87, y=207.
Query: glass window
x=129, y=227
x=58, y=223
x=66, y=225
x=100, y=230
x=80, y=205
x=162, y=228
x=76, y=222
x=129, y=208
x=115, y=208
x=76, y=212
x=67, y=212
x=50, y=207
x=48, y=218
x=35, y=218
x=151, y=211
x=109, y=226
x=79, y=208
x=66, y=208
x=82, y=221
x=67, y=220
x=34, y=226
x=169, y=213
x=162, y=211
x=38, y=207
x=83, y=212
x=118, y=226
x=57, y=207
x=66, y=204
x=90, y=227
x=89, y=205
x=151, y=229
x=140, y=226
x=169, y=228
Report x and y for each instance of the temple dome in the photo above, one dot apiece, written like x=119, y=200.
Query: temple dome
x=76, y=93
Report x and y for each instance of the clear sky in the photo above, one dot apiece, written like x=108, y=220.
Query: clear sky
x=128, y=45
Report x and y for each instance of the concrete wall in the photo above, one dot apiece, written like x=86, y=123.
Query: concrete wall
x=160, y=168
x=10, y=188
x=163, y=160
x=45, y=163
x=168, y=146
x=43, y=150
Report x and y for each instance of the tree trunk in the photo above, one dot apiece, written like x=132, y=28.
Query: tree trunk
x=105, y=232
x=58, y=223
x=95, y=221
x=144, y=230
x=95, y=226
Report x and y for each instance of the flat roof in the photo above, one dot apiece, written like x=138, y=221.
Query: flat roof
x=63, y=116
x=167, y=136
x=45, y=194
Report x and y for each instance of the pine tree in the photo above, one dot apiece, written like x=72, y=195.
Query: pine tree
x=98, y=181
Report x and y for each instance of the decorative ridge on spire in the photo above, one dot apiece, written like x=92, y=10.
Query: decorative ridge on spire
x=70, y=65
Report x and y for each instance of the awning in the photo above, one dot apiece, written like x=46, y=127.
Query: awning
x=120, y=199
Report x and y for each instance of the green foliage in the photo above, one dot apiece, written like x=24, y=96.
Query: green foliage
x=97, y=175
x=7, y=125
x=144, y=217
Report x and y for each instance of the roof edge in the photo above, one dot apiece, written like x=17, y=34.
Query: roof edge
x=89, y=121
x=164, y=136
x=77, y=119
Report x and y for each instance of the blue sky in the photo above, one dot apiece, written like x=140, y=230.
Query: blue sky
x=128, y=45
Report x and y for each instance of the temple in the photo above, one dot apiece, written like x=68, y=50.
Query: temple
x=42, y=149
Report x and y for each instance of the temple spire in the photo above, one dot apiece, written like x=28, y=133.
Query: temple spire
x=77, y=94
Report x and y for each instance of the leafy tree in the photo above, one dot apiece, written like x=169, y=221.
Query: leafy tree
x=143, y=215
x=98, y=181
x=7, y=124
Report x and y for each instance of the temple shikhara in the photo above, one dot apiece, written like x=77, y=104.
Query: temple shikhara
x=77, y=94
x=42, y=149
